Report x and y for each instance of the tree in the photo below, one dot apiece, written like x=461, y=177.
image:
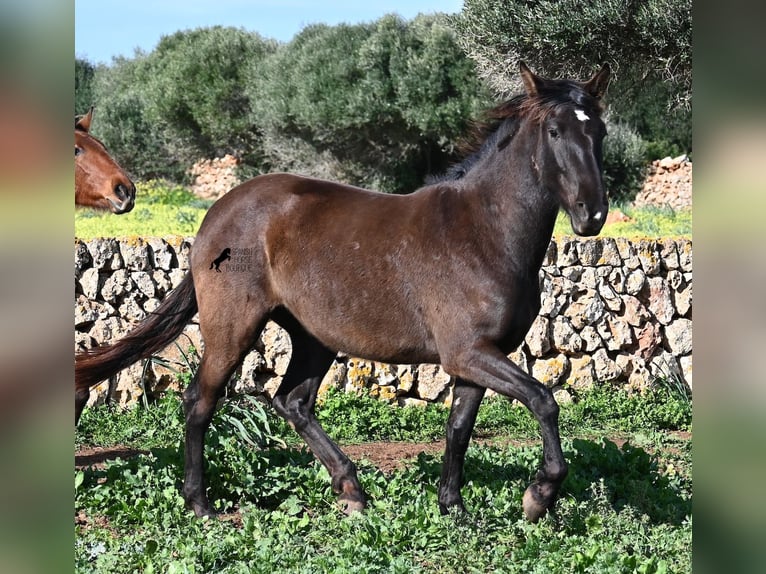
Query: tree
x=375, y=104
x=162, y=111
x=84, y=73
x=648, y=43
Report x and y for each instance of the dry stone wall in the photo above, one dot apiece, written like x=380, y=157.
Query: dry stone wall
x=612, y=310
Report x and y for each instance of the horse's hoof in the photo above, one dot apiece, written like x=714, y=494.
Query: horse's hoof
x=534, y=507
x=201, y=510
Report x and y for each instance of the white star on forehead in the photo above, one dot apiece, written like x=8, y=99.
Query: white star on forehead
x=581, y=115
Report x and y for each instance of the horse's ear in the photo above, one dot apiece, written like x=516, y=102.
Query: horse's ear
x=83, y=122
x=596, y=86
x=532, y=83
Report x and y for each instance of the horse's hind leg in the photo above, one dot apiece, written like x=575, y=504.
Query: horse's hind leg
x=295, y=399
x=226, y=344
x=466, y=398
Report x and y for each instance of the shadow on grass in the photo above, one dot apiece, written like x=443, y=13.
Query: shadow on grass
x=626, y=476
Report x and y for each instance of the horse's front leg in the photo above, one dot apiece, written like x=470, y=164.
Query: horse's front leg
x=485, y=364
x=466, y=398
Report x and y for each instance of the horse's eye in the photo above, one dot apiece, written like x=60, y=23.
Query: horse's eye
x=554, y=133
x=77, y=151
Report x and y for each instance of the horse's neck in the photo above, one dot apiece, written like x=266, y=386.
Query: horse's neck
x=513, y=201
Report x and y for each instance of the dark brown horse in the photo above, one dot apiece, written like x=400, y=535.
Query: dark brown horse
x=99, y=182
x=447, y=274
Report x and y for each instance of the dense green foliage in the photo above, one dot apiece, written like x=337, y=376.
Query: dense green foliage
x=84, y=72
x=384, y=104
x=159, y=112
x=376, y=104
x=623, y=508
x=648, y=44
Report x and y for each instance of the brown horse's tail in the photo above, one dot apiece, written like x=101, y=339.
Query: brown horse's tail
x=153, y=334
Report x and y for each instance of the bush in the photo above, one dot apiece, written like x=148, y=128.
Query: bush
x=378, y=105
x=624, y=162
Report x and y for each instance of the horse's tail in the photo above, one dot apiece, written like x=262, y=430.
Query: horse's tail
x=153, y=334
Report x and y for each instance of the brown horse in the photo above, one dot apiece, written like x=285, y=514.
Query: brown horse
x=99, y=182
x=447, y=274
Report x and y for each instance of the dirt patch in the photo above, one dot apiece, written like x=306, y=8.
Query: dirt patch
x=386, y=456
x=97, y=456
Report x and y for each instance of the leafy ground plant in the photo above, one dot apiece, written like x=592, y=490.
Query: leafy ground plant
x=625, y=507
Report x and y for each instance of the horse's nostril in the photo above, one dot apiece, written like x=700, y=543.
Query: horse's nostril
x=124, y=192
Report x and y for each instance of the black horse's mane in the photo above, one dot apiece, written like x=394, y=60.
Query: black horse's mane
x=500, y=123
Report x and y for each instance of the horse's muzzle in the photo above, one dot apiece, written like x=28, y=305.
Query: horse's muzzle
x=587, y=221
x=124, y=198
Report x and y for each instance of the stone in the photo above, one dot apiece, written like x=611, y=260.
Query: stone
x=660, y=300
x=649, y=338
x=406, y=377
x=627, y=252
x=581, y=373
x=176, y=276
x=616, y=280
x=252, y=365
x=605, y=369
x=136, y=254
x=359, y=374
x=685, y=255
x=91, y=282
x=669, y=254
x=412, y=402
x=432, y=381
x=610, y=297
x=648, y=254
x=635, y=281
x=550, y=372
x=105, y=254
x=277, y=348
x=162, y=283
x=590, y=338
x=616, y=333
x=143, y=281
x=334, y=378
x=586, y=308
x=565, y=338
x=550, y=254
x=82, y=258
x=675, y=279
x=162, y=254
x=610, y=254
x=131, y=310
x=562, y=396
x=567, y=253
x=682, y=300
x=85, y=311
x=108, y=329
x=686, y=369
x=538, y=337
x=635, y=312
x=678, y=336
x=115, y=285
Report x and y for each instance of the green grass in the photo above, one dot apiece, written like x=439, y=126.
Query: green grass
x=622, y=509
x=649, y=222
x=161, y=209
x=168, y=209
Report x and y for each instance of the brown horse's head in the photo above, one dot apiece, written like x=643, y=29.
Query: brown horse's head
x=99, y=182
x=569, y=154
